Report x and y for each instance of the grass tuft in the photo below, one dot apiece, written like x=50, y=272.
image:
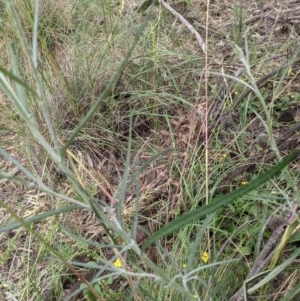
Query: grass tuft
x=149, y=150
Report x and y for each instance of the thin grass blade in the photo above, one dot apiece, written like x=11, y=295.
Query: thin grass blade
x=37, y=217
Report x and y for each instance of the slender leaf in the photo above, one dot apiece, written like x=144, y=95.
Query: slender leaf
x=35, y=35
x=16, y=79
x=37, y=217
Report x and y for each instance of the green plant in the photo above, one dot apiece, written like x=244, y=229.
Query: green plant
x=131, y=187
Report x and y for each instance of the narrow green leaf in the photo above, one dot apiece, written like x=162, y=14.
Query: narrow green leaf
x=19, y=89
x=37, y=217
x=35, y=35
x=16, y=79
x=219, y=202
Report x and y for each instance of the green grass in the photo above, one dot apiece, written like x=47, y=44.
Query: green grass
x=104, y=162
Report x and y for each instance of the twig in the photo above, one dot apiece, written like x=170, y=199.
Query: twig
x=186, y=23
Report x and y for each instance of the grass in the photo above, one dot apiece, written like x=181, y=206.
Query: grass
x=132, y=168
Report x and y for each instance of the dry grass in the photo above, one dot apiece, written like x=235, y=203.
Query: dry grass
x=158, y=104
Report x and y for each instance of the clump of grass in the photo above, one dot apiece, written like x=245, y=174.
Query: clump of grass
x=111, y=162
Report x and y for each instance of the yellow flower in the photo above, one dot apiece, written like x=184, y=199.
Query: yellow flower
x=205, y=257
x=244, y=183
x=184, y=265
x=118, y=263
